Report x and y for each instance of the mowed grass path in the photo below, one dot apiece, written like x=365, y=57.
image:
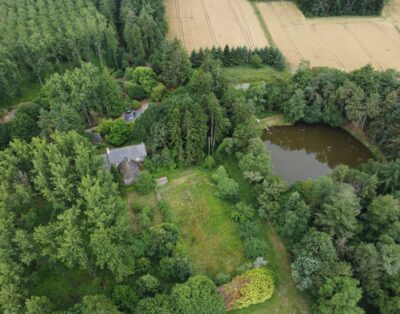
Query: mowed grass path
x=208, y=235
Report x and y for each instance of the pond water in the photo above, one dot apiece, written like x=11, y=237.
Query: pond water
x=305, y=151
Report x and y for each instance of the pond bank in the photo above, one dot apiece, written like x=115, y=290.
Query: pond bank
x=360, y=136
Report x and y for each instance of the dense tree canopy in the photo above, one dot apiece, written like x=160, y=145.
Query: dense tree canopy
x=58, y=207
x=340, y=7
x=39, y=37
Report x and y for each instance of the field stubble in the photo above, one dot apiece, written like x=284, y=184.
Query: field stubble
x=346, y=43
x=208, y=23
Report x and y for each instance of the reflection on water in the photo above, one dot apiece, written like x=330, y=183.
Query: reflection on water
x=309, y=151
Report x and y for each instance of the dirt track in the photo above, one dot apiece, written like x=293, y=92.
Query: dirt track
x=346, y=43
x=208, y=23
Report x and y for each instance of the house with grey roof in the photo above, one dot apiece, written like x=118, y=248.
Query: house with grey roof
x=126, y=160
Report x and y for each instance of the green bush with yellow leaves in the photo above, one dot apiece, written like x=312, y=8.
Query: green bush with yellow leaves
x=252, y=287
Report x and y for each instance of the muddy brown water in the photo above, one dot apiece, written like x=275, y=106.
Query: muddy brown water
x=305, y=151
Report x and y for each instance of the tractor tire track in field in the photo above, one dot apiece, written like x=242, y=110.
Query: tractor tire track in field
x=290, y=18
x=328, y=48
x=296, y=50
x=180, y=25
x=246, y=25
x=362, y=46
x=239, y=23
x=214, y=39
x=379, y=28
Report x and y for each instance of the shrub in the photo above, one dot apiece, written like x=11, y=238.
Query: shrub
x=255, y=61
x=145, y=183
x=243, y=268
x=135, y=91
x=142, y=76
x=143, y=265
x=176, y=268
x=222, y=279
x=146, y=217
x=242, y=212
x=209, y=162
x=228, y=189
x=249, y=228
x=105, y=126
x=219, y=174
x=163, y=239
x=124, y=298
x=253, y=287
x=198, y=295
x=158, y=92
x=119, y=132
x=135, y=104
x=254, y=247
x=158, y=305
x=36, y=305
x=147, y=285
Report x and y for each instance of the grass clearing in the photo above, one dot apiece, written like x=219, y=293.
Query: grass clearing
x=247, y=74
x=208, y=235
x=274, y=120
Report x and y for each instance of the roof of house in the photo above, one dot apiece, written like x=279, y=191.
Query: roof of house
x=129, y=170
x=133, y=152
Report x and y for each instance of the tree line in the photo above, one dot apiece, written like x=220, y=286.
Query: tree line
x=340, y=7
x=231, y=56
x=366, y=97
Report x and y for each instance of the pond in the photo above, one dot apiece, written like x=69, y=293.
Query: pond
x=306, y=151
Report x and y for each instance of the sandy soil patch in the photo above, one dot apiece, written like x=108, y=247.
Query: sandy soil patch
x=345, y=43
x=208, y=23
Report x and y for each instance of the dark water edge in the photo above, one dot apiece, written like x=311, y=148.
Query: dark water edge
x=305, y=151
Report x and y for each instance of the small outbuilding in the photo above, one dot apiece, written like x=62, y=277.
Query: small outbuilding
x=162, y=181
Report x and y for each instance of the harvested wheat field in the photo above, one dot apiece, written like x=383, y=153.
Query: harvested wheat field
x=346, y=43
x=208, y=23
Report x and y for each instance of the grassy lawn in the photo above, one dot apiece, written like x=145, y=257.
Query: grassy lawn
x=208, y=235
x=247, y=74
